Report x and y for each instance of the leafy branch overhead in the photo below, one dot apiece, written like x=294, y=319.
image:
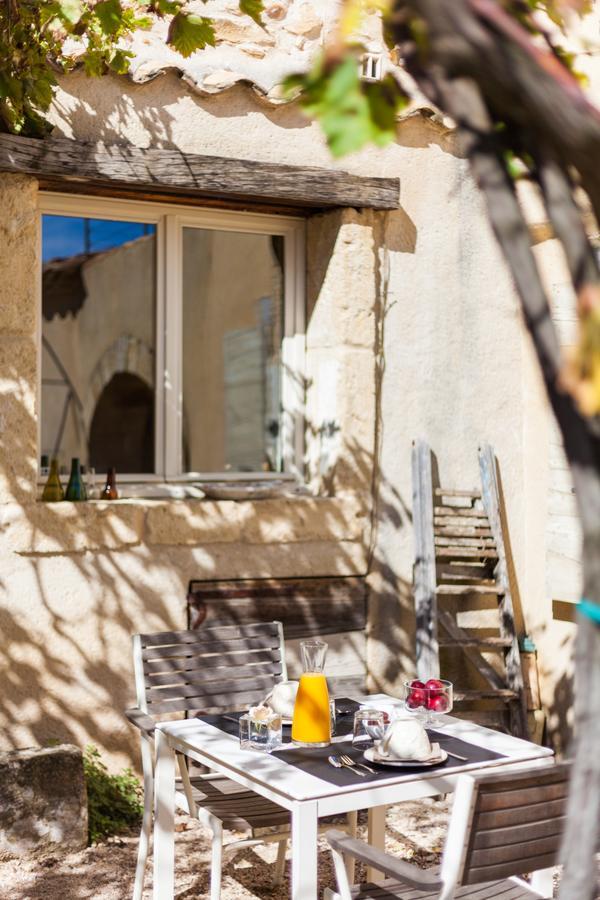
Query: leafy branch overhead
x=40, y=39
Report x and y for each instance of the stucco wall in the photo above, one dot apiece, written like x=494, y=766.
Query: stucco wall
x=77, y=580
x=413, y=331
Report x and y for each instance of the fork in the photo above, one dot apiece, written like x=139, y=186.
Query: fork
x=352, y=762
x=337, y=762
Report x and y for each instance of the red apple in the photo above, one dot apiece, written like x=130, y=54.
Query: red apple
x=434, y=684
x=438, y=703
x=416, y=698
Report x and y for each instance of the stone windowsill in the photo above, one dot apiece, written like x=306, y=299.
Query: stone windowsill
x=51, y=528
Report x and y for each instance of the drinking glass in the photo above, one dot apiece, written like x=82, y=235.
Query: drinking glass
x=369, y=725
x=260, y=734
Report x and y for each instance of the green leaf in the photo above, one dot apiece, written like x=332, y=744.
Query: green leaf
x=69, y=10
x=166, y=7
x=119, y=61
x=351, y=112
x=253, y=8
x=188, y=33
x=110, y=15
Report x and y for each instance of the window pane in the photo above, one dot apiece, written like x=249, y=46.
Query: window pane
x=232, y=332
x=98, y=342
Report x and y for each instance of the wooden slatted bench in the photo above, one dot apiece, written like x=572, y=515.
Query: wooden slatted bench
x=334, y=608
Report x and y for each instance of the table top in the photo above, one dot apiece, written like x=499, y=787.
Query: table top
x=222, y=752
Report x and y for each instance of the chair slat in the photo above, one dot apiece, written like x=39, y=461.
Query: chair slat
x=523, y=797
x=267, y=642
x=216, y=703
x=524, y=850
x=505, y=870
x=219, y=660
x=503, y=818
x=500, y=837
x=205, y=677
x=217, y=632
x=209, y=688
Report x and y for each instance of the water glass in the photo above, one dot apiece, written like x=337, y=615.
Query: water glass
x=369, y=725
x=260, y=734
x=332, y=716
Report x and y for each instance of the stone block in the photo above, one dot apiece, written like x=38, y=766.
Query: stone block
x=342, y=283
x=18, y=428
x=18, y=254
x=193, y=522
x=305, y=519
x=278, y=521
x=43, y=801
x=71, y=527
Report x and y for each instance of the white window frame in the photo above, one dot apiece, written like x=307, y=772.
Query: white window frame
x=170, y=220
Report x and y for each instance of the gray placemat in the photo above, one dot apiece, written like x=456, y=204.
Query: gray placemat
x=314, y=760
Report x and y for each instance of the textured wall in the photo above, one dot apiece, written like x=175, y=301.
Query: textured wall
x=413, y=331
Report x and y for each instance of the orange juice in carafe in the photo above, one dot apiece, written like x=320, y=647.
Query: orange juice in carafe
x=311, y=725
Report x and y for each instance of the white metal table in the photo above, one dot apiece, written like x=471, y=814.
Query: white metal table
x=307, y=797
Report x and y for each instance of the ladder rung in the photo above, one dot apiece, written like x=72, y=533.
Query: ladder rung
x=490, y=694
x=448, y=577
x=464, y=589
x=459, y=552
x=451, y=492
x=459, y=521
x=483, y=643
x=453, y=541
x=459, y=511
x=444, y=530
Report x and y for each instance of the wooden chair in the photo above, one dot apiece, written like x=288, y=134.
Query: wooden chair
x=215, y=669
x=502, y=826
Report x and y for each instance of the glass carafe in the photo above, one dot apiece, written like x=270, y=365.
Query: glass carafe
x=311, y=725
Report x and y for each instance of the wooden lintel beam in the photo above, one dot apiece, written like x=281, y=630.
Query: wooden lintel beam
x=170, y=172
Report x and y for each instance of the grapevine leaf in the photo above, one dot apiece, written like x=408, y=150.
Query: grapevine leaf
x=110, y=15
x=119, y=61
x=351, y=112
x=69, y=11
x=253, y=8
x=166, y=7
x=188, y=33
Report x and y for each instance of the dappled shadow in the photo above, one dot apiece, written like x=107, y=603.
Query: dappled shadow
x=80, y=579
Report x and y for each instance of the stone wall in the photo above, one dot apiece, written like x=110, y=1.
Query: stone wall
x=413, y=331
x=78, y=580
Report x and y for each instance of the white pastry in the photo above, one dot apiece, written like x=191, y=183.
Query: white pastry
x=405, y=739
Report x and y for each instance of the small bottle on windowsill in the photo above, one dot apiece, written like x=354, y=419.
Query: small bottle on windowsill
x=109, y=491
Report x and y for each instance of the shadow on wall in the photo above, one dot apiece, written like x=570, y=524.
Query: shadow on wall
x=78, y=581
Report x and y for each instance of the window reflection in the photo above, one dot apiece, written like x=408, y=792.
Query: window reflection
x=232, y=333
x=98, y=342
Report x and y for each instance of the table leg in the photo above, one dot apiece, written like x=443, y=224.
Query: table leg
x=376, y=833
x=304, y=851
x=164, y=820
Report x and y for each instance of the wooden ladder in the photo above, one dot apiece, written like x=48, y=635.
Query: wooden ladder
x=460, y=560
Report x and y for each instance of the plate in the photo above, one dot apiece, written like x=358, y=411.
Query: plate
x=372, y=756
x=258, y=490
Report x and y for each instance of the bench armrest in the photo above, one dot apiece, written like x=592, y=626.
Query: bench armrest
x=141, y=720
x=383, y=862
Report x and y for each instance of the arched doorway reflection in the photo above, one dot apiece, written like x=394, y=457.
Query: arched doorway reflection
x=122, y=429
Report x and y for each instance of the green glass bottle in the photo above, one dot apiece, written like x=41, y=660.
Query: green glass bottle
x=76, y=488
x=53, y=489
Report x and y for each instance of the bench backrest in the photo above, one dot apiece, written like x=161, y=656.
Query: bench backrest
x=220, y=668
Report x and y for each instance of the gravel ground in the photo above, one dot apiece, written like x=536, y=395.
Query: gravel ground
x=415, y=831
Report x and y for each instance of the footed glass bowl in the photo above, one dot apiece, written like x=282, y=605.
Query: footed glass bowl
x=430, y=698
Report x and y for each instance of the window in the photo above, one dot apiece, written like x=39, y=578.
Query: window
x=171, y=341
